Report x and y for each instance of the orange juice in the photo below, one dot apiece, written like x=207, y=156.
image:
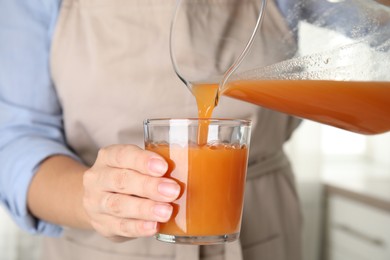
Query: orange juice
x=361, y=107
x=206, y=96
x=212, y=180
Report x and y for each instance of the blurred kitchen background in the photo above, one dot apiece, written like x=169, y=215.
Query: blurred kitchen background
x=344, y=186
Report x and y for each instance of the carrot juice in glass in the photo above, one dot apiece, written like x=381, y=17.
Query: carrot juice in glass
x=211, y=175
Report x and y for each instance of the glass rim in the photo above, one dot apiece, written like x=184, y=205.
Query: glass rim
x=188, y=121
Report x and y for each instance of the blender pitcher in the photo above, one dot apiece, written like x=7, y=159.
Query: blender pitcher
x=340, y=74
x=331, y=63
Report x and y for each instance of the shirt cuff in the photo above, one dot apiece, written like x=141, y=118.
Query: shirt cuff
x=19, y=162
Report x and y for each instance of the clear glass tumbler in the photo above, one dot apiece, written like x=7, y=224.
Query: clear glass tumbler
x=211, y=174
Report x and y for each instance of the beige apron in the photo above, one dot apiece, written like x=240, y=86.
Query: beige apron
x=111, y=67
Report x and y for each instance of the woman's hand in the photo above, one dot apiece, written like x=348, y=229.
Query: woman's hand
x=125, y=195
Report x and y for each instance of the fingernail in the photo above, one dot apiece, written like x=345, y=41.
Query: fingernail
x=163, y=211
x=150, y=225
x=158, y=166
x=169, y=189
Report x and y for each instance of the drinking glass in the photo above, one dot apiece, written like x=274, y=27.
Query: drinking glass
x=211, y=175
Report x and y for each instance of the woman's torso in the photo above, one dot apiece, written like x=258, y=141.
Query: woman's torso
x=111, y=67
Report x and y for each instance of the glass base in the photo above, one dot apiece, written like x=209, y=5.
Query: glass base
x=197, y=240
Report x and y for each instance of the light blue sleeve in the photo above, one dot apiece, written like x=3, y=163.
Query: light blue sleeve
x=30, y=114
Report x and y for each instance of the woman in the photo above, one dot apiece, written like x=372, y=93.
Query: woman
x=78, y=77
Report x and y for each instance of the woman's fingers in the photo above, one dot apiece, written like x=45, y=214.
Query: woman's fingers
x=132, y=157
x=125, y=206
x=133, y=183
x=125, y=194
x=113, y=228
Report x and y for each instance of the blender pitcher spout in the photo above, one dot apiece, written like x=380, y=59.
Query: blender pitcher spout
x=208, y=44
